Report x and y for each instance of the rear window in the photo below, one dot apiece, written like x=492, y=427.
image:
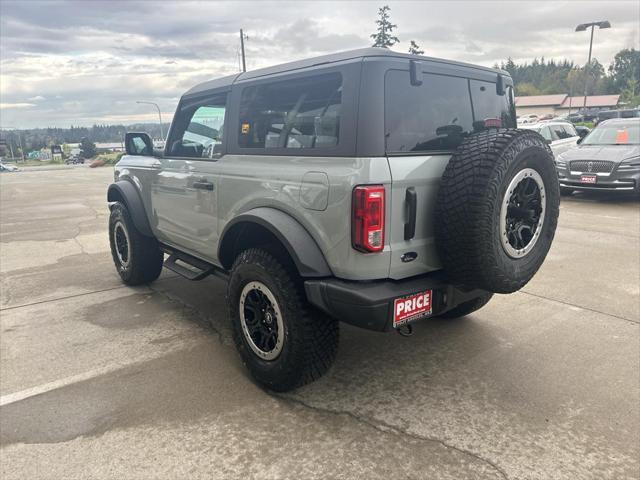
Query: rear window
x=439, y=114
x=487, y=104
x=293, y=114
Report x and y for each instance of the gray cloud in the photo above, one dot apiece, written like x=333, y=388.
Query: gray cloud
x=88, y=62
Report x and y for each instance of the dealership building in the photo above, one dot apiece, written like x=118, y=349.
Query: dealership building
x=562, y=104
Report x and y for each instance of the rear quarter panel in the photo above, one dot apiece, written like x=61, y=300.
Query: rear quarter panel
x=248, y=181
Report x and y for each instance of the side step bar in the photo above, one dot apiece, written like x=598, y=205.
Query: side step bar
x=200, y=269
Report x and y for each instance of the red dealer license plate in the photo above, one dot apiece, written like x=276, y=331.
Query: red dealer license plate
x=411, y=307
x=588, y=179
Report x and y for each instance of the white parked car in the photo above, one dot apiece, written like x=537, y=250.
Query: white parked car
x=561, y=136
x=5, y=167
x=528, y=119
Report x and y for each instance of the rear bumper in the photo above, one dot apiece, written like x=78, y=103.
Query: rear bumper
x=369, y=304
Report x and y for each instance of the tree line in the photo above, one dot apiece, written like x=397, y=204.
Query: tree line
x=38, y=138
x=542, y=77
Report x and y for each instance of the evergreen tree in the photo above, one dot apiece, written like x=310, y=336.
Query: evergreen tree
x=625, y=69
x=414, y=49
x=384, y=37
x=87, y=148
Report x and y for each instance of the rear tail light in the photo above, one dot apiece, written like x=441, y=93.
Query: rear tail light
x=367, y=225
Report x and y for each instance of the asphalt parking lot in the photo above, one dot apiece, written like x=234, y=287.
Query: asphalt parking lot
x=98, y=380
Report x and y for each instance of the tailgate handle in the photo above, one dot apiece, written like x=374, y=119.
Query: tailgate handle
x=411, y=200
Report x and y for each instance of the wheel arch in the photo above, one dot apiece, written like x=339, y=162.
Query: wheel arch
x=125, y=192
x=261, y=225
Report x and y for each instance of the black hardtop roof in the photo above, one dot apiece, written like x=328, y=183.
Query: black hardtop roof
x=354, y=55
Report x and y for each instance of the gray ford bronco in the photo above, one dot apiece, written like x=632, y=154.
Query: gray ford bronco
x=370, y=187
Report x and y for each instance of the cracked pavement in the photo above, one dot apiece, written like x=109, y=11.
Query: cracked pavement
x=98, y=380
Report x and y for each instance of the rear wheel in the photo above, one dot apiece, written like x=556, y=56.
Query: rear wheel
x=467, y=307
x=137, y=258
x=282, y=340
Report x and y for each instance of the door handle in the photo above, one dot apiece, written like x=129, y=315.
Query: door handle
x=203, y=185
x=411, y=199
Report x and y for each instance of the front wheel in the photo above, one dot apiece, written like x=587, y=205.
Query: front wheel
x=137, y=258
x=283, y=342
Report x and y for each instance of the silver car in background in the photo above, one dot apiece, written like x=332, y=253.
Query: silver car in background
x=561, y=136
x=606, y=159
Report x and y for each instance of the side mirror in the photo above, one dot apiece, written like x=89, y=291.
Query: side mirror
x=138, y=144
x=579, y=140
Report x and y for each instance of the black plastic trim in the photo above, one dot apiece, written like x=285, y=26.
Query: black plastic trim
x=411, y=199
x=415, y=72
x=369, y=304
x=129, y=193
x=300, y=245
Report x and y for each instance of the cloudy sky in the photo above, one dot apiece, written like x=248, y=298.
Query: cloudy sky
x=86, y=62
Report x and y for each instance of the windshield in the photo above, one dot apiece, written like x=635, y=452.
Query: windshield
x=614, y=134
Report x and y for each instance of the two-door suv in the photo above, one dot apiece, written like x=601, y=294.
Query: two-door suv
x=368, y=186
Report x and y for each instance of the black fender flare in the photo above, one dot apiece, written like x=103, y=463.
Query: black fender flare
x=300, y=245
x=124, y=191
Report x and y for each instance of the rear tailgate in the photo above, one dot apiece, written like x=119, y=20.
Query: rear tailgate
x=418, y=176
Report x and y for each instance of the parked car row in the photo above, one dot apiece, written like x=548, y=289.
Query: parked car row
x=607, y=158
x=609, y=114
x=74, y=160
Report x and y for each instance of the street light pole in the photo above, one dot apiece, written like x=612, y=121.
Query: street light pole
x=581, y=28
x=159, y=116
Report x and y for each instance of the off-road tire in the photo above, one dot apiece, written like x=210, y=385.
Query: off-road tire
x=310, y=337
x=467, y=307
x=146, y=258
x=468, y=209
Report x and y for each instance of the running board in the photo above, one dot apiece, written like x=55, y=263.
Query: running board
x=200, y=270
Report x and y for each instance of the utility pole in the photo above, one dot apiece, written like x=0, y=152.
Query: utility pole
x=581, y=28
x=21, y=149
x=244, y=64
x=19, y=141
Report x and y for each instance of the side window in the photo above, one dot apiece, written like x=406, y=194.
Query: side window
x=199, y=127
x=292, y=114
x=434, y=116
x=546, y=133
x=487, y=104
x=571, y=131
x=560, y=132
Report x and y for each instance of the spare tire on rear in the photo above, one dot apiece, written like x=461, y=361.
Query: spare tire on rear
x=497, y=209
